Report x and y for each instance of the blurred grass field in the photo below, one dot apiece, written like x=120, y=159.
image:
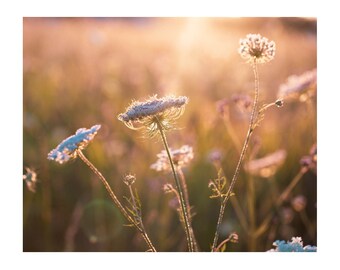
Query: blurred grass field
x=79, y=72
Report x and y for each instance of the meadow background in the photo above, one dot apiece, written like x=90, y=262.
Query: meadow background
x=79, y=72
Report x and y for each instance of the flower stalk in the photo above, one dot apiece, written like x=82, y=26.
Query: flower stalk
x=179, y=188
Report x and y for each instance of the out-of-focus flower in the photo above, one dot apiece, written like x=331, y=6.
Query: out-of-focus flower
x=154, y=112
x=30, y=178
x=66, y=150
x=243, y=103
x=299, y=203
x=181, y=157
x=129, y=179
x=268, y=165
x=299, y=87
x=296, y=245
x=310, y=160
x=215, y=156
x=256, y=47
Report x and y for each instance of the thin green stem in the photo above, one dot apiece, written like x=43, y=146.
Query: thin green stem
x=115, y=199
x=179, y=188
x=243, y=152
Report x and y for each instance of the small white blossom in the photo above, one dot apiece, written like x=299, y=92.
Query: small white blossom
x=181, y=157
x=66, y=150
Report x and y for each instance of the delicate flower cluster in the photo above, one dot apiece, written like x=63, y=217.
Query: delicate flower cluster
x=30, y=178
x=267, y=165
x=301, y=87
x=296, y=245
x=256, y=47
x=67, y=149
x=129, y=179
x=181, y=157
x=154, y=112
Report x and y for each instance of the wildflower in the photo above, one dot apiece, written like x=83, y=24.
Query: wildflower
x=30, y=178
x=67, y=149
x=215, y=156
x=268, y=165
x=256, y=47
x=310, y=160
x=299, y=203
x=299, y=87
x=154, y=112
x=129, y=179
x=296, y=245
x=181, y=157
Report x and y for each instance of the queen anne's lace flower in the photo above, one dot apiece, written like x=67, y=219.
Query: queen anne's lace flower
x=254, y=46
x=66, y=150
x=181, y=157
x=296, y=245
x=153, y=112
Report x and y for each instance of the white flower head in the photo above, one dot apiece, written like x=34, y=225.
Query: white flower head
x=256, y=47
x=66, y=150
x=154, y=112
x=181, y=157
x=299, y=86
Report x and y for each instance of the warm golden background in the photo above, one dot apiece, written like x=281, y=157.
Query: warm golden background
x=80, y=72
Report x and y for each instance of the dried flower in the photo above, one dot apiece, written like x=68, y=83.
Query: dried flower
x=154, y=111
x=268, y=165
x=66, y=150
x=296, y=245
x=129, y=179
x=299, y=203
x=256, y=47
x=30, y=178
x=299, y=87
x=181, y=157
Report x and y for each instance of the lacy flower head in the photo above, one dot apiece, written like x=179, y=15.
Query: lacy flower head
x=299, y=87
x=296, y=245
x=255, y=47
x=154, y=113
x=181, y=157
x=67, y=149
